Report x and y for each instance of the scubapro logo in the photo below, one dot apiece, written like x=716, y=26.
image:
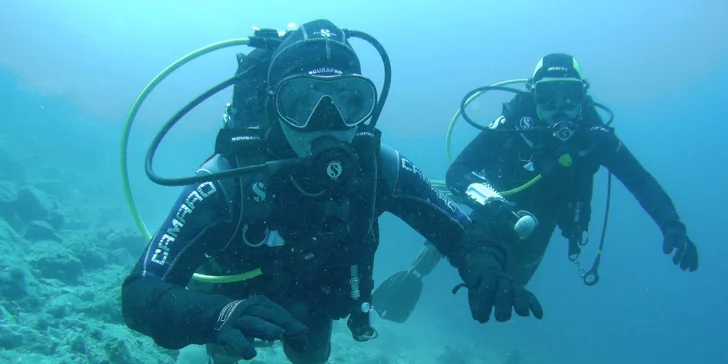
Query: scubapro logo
x=526, y=123
x=325, y=33
x=334, y=169
x=258, y=190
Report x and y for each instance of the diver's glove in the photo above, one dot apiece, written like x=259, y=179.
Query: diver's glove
x=686, y=253
x=241, y=322
x=489, y=289
x=482, y=267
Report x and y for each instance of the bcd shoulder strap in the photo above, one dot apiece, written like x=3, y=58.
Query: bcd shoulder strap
x=246, y=147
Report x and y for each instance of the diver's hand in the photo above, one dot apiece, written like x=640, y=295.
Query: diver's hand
x=686, y=253
x=490, y=288
x=360, y=327
x=257, y=318
x=576, y=235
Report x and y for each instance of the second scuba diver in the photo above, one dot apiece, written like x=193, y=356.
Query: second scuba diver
x=543, y=152
x=308, y=231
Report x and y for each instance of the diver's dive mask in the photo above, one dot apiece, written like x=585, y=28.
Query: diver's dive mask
x=558, y=99
x=311, y=103
x=556, y=92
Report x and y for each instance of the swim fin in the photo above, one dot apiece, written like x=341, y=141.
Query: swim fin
x=396, y=298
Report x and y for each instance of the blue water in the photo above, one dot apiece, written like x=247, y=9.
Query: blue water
x=70, y=70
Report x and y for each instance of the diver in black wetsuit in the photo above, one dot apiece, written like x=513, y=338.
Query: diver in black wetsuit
x=279, y=256
x=560, y=143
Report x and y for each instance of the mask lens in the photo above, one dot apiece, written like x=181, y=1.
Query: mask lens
x=561, y=93
x=297, y=98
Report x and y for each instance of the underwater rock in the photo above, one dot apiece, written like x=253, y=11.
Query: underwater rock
x=121, y=257
x=10, y=241
x=452, y=355
x=10, y=339
x=8, y=193
x=380, y=358
x=50, y=172
x=52, y=187
x=87, y=249
x=17, y=336
x=33, y=204
x=100, y=343
x=105, y=302
x=88, y=295
x=126, y=239
x=8, y=196
x=56, y=220
x=74, y=220
x=63, y=306
x=41, y=230
x=13, y=285
x=92, y=258
x=55, y=261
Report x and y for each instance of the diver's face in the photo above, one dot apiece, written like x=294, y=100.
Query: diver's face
x=558, y=99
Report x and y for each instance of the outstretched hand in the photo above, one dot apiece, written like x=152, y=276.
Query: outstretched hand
x=685, y=252
x=490, y=291
x=499, y=295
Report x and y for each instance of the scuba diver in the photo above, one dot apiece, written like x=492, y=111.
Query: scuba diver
x=243, y=260
x=543, y=152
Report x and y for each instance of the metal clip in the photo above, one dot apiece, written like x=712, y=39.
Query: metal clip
x=582, y=272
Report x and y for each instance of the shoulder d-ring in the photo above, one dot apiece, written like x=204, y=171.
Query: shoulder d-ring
x=262, y=241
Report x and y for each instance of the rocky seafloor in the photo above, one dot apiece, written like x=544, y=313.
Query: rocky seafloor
x=66, y=245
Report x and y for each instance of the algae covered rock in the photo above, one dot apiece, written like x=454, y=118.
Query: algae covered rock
x=13, y=283
x=87, y=249
x=102, y=343
x=8, y=199
x=103, y=300
x=41, y=230
x=23, y=205
x=11, y=243
x=63, y=305
x=33, y=204
x=126, y=239
x=53, y=260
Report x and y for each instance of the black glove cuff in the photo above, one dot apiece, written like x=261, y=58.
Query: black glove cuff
x=482, y=262
x=674, y=228
x=473, y=250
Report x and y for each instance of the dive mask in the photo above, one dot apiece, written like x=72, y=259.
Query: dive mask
x=553, y=93
x=314, y=103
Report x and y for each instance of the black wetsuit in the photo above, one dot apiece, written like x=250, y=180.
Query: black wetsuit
x=306, y=274
x=562, y=198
